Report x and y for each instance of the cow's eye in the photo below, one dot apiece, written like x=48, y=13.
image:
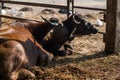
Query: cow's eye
x=88, y=25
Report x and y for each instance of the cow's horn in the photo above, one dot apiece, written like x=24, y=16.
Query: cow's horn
x=52, y=23
x=45, y=19
x=77, y=22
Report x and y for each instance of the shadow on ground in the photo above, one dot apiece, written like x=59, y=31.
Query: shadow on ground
x=70, y=60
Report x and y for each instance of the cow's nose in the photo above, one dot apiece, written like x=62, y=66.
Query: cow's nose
x=95, y=31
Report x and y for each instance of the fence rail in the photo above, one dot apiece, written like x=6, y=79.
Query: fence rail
x=34, y=4
x=50, y=5
x=98, y=9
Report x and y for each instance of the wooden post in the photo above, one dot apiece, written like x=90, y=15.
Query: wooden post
x=0, y=13
x=68, y=8
x=117, y=44
x=72, y=7
x=111, y=42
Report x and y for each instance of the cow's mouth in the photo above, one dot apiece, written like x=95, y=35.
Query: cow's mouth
x=95, y=31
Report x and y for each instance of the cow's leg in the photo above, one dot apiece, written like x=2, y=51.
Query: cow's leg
x=64, y=52
x=11, y=58
x=58, y=50
x=44, y=57
x=25, y=74
x=67, y=46
x=8, y=75
x=66, y=49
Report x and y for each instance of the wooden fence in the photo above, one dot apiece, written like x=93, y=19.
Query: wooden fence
x=67, y=6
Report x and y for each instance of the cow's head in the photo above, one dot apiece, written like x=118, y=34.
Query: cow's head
x=83, y=27
x=78, y=26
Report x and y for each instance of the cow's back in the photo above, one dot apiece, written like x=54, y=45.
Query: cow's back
x=37, y=28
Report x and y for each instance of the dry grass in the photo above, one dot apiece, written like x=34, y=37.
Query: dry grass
x=92, y=67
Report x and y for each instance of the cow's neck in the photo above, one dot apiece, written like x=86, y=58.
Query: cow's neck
x=70, y=25
x=40, y=31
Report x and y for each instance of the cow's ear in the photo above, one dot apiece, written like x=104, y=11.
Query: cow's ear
x=44, y=19
x=54, y=21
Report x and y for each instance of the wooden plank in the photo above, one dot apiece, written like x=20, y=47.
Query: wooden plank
x=110, y=26
x=117, y=40
x=35, y=4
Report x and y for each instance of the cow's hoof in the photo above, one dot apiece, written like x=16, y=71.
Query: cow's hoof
x=45, y=59
x=69, y=52
x=65, y=53
x=67, y=46
x=49, y=58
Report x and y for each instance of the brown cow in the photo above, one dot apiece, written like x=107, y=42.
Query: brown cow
x=19, y=50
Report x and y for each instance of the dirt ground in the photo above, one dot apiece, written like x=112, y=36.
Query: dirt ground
x=89, y=61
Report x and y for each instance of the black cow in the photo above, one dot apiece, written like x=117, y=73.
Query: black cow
x=56, y=38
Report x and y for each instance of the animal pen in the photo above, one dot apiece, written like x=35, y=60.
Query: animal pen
x=111, y=17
